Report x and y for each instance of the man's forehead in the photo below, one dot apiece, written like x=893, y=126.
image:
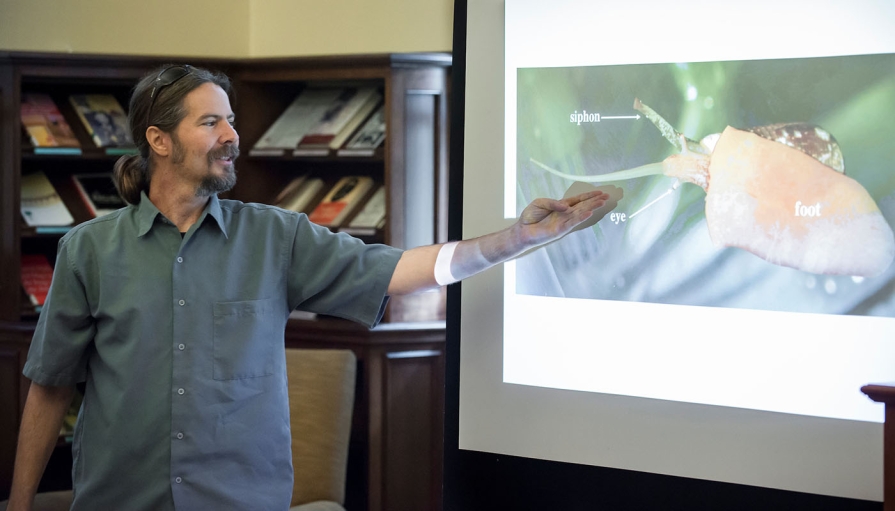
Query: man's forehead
x=207, y=99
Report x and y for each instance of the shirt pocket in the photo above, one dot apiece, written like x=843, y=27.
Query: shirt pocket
x=244, y=338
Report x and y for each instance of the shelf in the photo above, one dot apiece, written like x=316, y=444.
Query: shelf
x=76, y=153
x=46, y=232
x=377, y=156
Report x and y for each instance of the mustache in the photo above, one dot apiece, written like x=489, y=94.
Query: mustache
x=227, y=151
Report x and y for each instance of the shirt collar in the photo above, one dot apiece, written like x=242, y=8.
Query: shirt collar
x=214, y=211
x=147, y=212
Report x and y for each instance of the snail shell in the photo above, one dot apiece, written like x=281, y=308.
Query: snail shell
x=812, y=140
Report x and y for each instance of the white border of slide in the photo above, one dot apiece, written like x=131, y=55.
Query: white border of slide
x=719, y=356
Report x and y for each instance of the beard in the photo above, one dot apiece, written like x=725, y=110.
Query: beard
x=212, y=184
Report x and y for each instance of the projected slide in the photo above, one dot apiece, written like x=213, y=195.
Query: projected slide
x=755, y=184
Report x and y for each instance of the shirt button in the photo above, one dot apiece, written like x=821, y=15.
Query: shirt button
x=179, y=259
x=178, y=480
x=180, y=436
x=180, y=391
x=181, y=302
x=181, y=347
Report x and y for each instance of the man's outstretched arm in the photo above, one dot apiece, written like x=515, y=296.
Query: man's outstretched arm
x=542, y=221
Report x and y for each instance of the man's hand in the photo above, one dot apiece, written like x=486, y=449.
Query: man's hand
x=545, y=220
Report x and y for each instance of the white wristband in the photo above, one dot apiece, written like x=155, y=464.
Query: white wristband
x=443, y=273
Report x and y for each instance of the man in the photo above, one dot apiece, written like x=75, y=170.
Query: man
x=173, y=310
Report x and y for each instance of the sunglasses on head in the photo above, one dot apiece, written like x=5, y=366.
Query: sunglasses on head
x=165, y=78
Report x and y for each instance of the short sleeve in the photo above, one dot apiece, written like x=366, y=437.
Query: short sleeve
x=65, y=329
x=338, y=275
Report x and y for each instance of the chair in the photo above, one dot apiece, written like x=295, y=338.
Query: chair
x=321, y=400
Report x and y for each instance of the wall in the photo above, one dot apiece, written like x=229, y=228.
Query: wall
x=226, y=28
x=159, y=27
x=303, y=27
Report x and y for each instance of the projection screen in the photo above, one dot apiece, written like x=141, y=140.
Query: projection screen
x=719, y=319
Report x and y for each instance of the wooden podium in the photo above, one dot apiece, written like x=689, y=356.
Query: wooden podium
x=885, y=393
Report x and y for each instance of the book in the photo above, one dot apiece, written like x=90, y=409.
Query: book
x=44, y=123
x=290, y=189
x=67, y=430
x=368, y=137
x=341, y=201
x=104, y=119
x=302, y=315
x=299, y=194
x=37, y=274
x=305, y=111
x=41, y=205
x=370, y=217
x=359, y=117
x=98, y=193
x=337, y=117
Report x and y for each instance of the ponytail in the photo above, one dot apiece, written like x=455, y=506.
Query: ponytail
x=131, y=176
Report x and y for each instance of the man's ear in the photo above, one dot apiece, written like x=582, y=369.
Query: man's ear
x=159, y=141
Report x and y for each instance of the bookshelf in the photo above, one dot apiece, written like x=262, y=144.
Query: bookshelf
x=411, y=164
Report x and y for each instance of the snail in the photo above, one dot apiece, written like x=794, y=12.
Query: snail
x=779, y=192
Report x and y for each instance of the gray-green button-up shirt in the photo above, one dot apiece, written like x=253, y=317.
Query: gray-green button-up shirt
x=180, y=340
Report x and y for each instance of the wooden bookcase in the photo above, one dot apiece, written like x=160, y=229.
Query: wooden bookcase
x=412, y=165
x=396, y=360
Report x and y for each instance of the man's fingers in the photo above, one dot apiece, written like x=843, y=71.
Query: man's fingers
x=589, y=200
x=583, y=215
x=575, y=199
x=553, y=205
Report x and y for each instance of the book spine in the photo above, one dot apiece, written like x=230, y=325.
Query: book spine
x=358, y=231
x=36, y=275
x=267, y=152
x=310, y=152
x=354, y=153
x=85, y=197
